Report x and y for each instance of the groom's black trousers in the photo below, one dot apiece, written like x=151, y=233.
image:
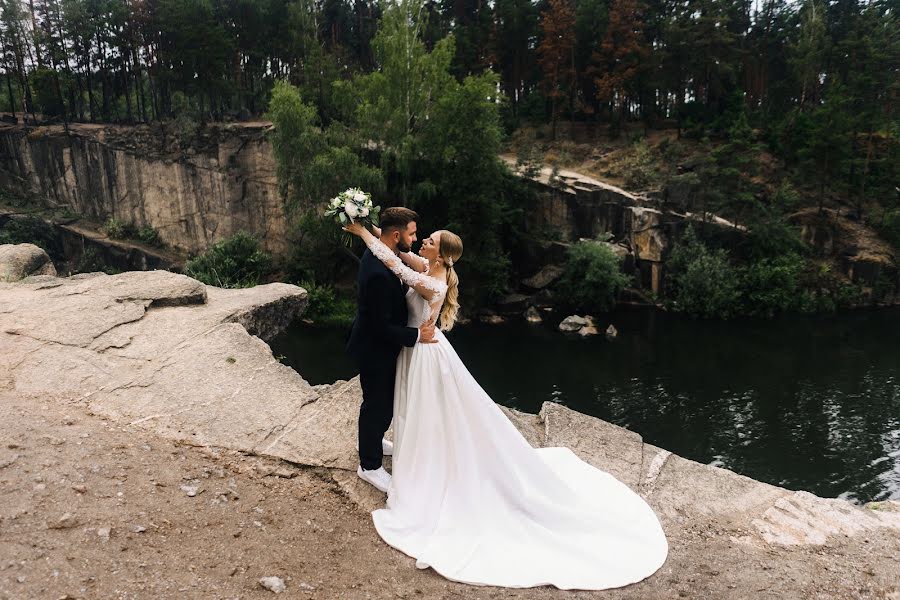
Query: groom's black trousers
x=375, y=413
x=377, y=335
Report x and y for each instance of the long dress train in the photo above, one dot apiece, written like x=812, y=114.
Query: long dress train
x=472, y=499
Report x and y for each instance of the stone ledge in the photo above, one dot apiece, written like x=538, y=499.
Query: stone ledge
x=193, y=372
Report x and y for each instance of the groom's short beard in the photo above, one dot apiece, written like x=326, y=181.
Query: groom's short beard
x=403, y=246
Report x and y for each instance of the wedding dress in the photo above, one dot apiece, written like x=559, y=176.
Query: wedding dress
x=471, y=498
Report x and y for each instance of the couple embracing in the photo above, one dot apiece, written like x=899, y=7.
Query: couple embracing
x=468, y=496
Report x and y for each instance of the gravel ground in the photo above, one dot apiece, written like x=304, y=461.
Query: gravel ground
x=93, y=509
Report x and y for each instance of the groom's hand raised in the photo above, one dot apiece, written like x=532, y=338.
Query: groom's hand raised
x=426, y=333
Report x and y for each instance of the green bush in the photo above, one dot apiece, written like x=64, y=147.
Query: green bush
x=232, y=263
x=592, y=278
x=773, y=237
x=701, y=281
x=31, y=230
x=327, y=307
x=148, y=235
x=118, y=230
x=771, y=286
x=638, y=168
x=889, y=228
x=316, y=251
x=43, y=82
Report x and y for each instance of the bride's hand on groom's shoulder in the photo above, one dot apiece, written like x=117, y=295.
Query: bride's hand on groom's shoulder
x=426, y=333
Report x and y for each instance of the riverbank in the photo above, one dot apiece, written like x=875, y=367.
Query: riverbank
x=804, y=402
x=156, y=359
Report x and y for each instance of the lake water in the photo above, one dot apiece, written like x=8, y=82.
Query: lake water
x=808, y=403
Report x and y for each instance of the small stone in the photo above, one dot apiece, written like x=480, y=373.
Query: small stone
x=67, y=521
x=264, y=470
x=587, y=330
x=306, y=586
x=190, y=490
x=79, y=488
x=68, y=420
x=20, y=579
x=103, y=533
x=138, y=529
x=273, y=584
x=40, y=487
x=611, y=332
x=533, y=316
x=257, y=523
x=492, y=319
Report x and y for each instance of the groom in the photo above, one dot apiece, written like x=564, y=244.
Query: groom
x=379, y=331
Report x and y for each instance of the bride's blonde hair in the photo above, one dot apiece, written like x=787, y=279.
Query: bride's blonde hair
x=450, y=249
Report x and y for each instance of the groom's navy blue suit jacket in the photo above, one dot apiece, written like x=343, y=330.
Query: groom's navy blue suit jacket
x=379, y=330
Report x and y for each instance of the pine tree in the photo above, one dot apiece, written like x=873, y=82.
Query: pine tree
x=515, y=26
x=620, y=59
x=557, y=56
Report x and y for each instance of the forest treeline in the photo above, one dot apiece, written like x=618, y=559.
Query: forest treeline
x=439, y=85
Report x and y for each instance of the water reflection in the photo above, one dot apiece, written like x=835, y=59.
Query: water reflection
x=806, y=403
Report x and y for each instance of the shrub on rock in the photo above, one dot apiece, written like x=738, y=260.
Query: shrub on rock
x=235, y=262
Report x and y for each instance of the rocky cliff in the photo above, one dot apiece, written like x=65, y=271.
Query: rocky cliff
x=199, y=189
x=193, y=194
x=164, y=354
x=573, y=206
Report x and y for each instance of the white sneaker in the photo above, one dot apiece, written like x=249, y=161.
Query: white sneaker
x=380, y=478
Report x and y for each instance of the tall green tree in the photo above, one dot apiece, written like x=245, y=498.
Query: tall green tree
x=556, y=55
x=515, y=28
x=393, y=104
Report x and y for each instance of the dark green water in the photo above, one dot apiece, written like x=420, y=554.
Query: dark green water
x=804, y=403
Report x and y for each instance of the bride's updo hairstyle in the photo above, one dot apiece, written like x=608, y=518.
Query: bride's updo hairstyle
x=451, y=249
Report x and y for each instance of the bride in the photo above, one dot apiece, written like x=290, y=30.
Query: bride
x=469, y=496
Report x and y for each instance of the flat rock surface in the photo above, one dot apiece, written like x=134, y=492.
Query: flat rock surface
x=192, y=464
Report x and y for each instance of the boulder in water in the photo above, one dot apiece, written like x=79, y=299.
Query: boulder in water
x=533, y=316
x=574, y=323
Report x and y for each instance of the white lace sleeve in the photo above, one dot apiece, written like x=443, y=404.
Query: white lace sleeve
x=422, y=282
x=422, y=260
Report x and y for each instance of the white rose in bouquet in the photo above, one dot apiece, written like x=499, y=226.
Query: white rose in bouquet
x=352, y=209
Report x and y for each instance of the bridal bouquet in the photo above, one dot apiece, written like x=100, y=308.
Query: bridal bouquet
x=350, y=206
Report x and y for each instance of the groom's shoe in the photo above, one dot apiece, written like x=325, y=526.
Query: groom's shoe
x=380, y=478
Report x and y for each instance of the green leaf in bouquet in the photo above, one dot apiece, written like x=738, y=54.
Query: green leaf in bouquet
x=344, y=218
